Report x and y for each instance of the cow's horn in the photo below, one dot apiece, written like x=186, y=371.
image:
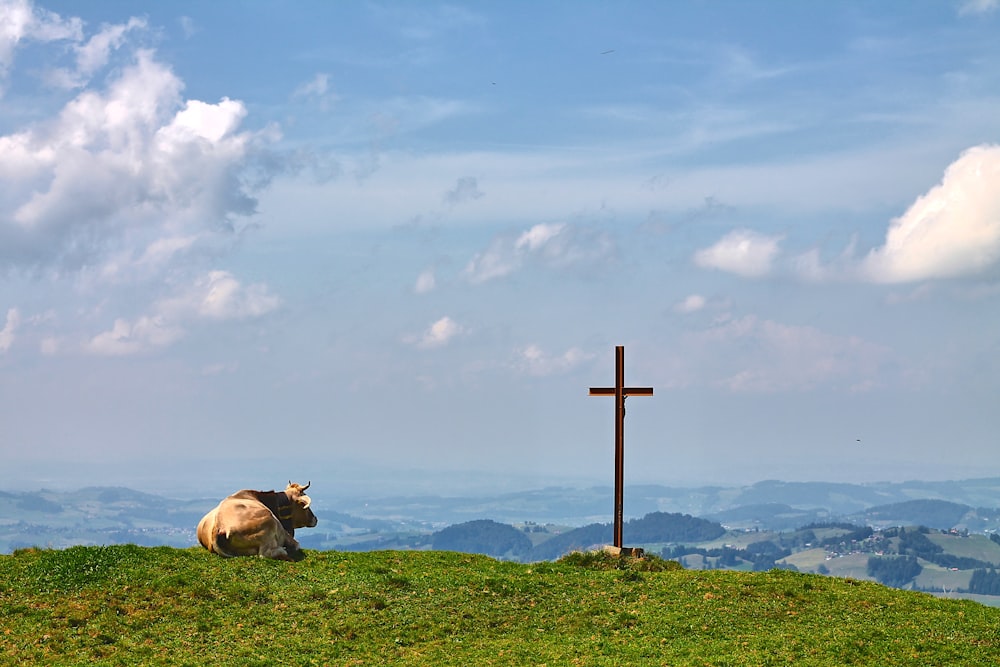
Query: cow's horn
x=308, y=484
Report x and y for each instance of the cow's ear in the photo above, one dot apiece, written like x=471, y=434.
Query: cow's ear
x=305, y=500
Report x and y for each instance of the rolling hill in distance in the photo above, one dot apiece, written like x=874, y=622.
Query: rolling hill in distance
x=941, y=537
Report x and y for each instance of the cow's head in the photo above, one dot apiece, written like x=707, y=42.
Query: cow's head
x=302, y=516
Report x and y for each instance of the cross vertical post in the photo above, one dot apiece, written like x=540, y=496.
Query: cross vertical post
x=620, y=392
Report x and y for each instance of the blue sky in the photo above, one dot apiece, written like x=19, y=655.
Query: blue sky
x=338, y=239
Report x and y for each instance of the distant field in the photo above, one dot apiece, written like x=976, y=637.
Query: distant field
x=808, y=560
x=943, y=580
x=979, y=547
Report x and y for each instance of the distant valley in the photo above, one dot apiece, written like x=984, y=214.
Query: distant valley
x=831, y=528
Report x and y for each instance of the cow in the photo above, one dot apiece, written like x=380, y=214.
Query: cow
x=258, y=523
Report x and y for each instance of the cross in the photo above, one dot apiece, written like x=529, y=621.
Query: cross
x=620, y=392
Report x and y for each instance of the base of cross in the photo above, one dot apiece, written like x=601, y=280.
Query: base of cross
x=624, y=552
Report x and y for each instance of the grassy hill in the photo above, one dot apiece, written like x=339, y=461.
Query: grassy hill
x=133, y=605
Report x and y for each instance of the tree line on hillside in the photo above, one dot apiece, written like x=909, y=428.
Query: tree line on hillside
x=895, y=571
x=483, y=536
x=504, y=541
x=652, y=528
x=985, y=582
x=759, y=556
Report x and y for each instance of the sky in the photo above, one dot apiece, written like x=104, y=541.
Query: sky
x=370, y=241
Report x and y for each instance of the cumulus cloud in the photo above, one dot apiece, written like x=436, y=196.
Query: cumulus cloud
x=216, y=296
x=122, y=166
x=538, y=237
x=550, y=245
x=743, y=252
x=10, y=328
x=533, y=360
x=438, y=334
x=127, y=184
x=952, y=230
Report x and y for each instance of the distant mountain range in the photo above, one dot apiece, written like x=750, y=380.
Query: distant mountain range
x=106, y=515
x=767, y=501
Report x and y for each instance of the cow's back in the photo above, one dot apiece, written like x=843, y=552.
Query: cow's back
x=240, y=525
x=243, y=511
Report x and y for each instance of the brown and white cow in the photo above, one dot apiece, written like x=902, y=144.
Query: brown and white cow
x=258, y=523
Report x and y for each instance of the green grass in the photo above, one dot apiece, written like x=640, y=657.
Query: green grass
x=132, y=605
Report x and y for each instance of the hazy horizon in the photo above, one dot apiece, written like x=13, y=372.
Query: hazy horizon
x=185, y=479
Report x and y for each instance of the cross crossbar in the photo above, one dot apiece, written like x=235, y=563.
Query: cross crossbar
x=620, y=392
x=628, y=391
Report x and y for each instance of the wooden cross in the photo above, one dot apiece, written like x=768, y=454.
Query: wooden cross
x=620, y=392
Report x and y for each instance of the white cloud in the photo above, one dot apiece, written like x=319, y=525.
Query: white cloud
x=218, y=295
x=952, y=230
x=93, y=54
x=226, y=298
x=199, y=120
x=10, y=328
x=426, y=282
x=121, y=168
x=551, y=245
x=538, y=237
x=125, y=338
x=20, y=22
x=531, y=359
x=215, y=296
x=438, y=334
x=691, y=304
x=743, y=252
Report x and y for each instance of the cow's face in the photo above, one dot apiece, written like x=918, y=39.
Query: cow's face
x=302, y=516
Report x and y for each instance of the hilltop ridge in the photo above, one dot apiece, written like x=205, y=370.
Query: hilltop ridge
x=169, y=606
